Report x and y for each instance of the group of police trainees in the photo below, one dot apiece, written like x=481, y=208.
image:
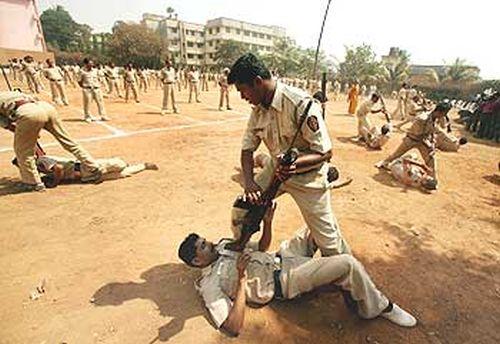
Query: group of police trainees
x=285, y=112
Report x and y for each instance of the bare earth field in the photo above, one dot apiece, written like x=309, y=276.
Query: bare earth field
x=108, y=252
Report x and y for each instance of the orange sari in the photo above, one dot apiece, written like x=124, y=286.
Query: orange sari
x=353, y=99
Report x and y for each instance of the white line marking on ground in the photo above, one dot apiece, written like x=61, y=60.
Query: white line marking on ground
x=143, y=131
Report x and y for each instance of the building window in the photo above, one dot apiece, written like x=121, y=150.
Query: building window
x=190, y=56
x=200, y=56
x=247, y=33
x=238, y=31
x=190, y=44
x=217, y=30
x=254, y=34
x=173, y=30
x=211, y=55
x=173, y=42
x=261, y=35
x=209, y=31
x=268, y=36
x=200, y=45
x=228, y=30
x=210, y=43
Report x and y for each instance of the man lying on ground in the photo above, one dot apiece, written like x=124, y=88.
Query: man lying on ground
x=230, y=279
x=408, y=171
x=58, y=170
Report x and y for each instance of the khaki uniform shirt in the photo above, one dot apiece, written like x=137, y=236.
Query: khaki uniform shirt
x=168, y=75
x=53, y=73
x=130, y=76
x=223, y=81
x=413, y=108
x=30, y=67
x=277, y=125
x=402, y=94
x=218, y=282
x=8, y=106
x=89, y=78
x=194, y=76
x=365, y=109
x=422, y=128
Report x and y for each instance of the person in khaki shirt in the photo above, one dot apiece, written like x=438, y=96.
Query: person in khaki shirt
x=59, y=170
x=112, y=76
x=412, y=109
x=27, y=117
x=224, y=89
x=91, y=90
x=194, y=84
x=408, y=171
x=399, y=112
x=366, y=108
x=55, y=75
x=421, y=136
x=274, y=121
x=130, y=80
x=231, y=279
x=31, y=73
x=168, y=77
x=143, y=79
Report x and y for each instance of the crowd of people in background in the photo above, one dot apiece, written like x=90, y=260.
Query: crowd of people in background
x=481, y=116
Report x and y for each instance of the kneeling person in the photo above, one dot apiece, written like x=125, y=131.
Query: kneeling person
x=230, y=279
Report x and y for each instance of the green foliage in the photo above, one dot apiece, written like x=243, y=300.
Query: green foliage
x=395, y=72
x=360, y=64
x=228, y=52
x=459, y=71
x=62, y=32
x=137, y=44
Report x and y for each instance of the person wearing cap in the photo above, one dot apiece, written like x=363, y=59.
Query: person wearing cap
x=55, y=75
x=31, y=73
x=364, y=124
x=412, y=109
x=91, y=90
x=194, y=84
x=224, y=89
x=27, y=116
x=168, y=77
x=130, y=80
x=231, y=279
x=277, y=110
x=399, y=112
x=421, y=136
x=112, y=76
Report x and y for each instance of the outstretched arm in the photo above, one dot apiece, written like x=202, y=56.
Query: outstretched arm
x=265, y=239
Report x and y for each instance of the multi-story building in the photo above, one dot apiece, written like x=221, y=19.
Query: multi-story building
x=196, y=44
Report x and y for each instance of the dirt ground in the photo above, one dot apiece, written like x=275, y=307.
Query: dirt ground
x=108, y=252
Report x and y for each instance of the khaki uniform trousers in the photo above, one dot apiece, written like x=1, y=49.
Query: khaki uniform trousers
x=426, y=152
x=32, y=118
x=364, y=125
x=168, y=92
x=58, y=92
x=116, y=168
x=33, y=83
x=95, y=94
x=300, y=273
x=143, y=84
x=113, y=85
x=399, y=112
x=131, y=86
x=447, y=143
x=193, y=88
x=224, y=94
x=315, y=206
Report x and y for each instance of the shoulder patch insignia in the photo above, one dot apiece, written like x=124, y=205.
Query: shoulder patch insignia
x=312, y=123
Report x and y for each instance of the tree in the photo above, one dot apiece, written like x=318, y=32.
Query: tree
x=459, y=71
x=228, y=52
x=137, y=44
x=62, y=32
x=170, y=11
x=396, y=71
x=360, y=64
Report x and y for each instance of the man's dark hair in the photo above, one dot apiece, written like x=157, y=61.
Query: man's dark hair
x=246, y=69
x=320, y=96
x=462, y=141
x=86, y=60
x=187, y=249
x=442, y=107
